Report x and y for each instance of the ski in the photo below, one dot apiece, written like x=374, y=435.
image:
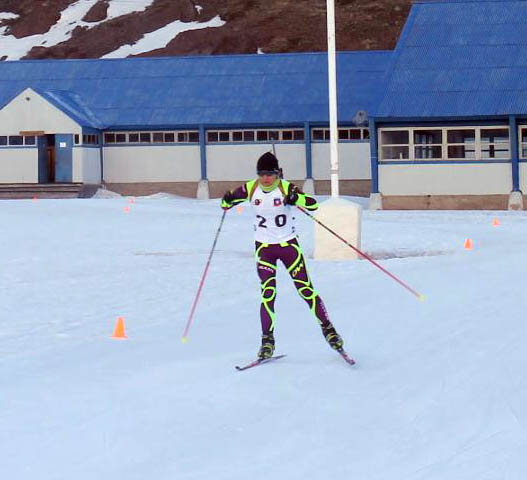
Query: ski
x=346, y=357
x=259, y=362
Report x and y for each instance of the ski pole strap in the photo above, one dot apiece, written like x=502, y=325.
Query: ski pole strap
x=184, y=338
x=367, y=257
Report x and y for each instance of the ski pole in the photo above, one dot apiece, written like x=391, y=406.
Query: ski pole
x=184, y=338
x=367, y=257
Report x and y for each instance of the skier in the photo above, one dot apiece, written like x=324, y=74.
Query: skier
x=275, y=239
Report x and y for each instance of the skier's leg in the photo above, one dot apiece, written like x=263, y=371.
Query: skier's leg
x=266, y=267
x=293, y=259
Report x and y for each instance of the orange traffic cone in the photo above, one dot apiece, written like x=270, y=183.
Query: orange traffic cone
x=496, y=223
x=119, y=329
x=468, y=244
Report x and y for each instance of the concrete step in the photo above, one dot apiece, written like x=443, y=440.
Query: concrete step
x=46, y=190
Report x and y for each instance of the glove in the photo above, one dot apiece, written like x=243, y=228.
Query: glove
x=226, y=201
x=292, y=197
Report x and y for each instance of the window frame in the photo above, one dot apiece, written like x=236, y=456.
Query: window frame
x=478, y=157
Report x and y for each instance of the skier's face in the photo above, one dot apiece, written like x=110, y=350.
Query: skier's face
x=267, y=178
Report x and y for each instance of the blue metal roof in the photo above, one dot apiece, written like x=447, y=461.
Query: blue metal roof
x=459, y=58
x=280, y=89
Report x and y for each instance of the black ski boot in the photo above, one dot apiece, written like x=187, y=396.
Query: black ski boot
x=267, y=348
x=332, y=337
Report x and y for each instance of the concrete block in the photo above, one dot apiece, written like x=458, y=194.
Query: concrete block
x=203, y=190
x=515, y=201
x=345, y=219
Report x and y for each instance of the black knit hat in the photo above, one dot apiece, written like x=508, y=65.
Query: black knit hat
x=267, y=163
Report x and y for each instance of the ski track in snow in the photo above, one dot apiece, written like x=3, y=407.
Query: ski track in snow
x=439, y=391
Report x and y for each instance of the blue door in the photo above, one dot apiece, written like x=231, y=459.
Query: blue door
x=63, y=158
x=43, y=174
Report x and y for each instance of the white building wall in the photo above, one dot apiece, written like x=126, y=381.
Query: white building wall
x=130, y=164
x=30, y=112
x=354, y=161
x=86, y=165
x=238, y=162
x=447, y=179
x=523, y=177
x=18, y=165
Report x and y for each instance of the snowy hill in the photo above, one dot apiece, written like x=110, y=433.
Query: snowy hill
x=439, y=391
x=118, y=28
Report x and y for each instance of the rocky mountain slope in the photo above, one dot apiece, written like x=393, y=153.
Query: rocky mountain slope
x=120, y=28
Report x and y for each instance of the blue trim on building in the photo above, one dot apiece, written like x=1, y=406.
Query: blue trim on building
x=127, y=145
x=203, y=152
x=374, y=157
x=440, y=162
x=513, y=133
x=309, y=152
x=18, y=147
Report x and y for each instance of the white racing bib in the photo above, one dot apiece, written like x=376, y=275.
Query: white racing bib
x=274, y=221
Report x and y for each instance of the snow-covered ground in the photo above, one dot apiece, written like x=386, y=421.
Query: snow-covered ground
x=439, y=391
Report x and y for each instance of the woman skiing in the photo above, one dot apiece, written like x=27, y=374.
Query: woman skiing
x=275, y=239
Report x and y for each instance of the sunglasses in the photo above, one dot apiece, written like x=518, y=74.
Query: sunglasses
x=267, y=173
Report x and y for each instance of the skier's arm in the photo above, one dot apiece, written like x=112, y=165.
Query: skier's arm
x=235, y=197
x=297, y=197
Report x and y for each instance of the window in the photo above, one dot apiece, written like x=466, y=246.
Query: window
x=182, y=137
x=248, y=136
x=428, y=144
x=193, y=137
x=120, y=138
x=133, y=138
x=237, y=136
x=30, y=140
x=109, y=138
x=145, y=137
x=495, y=143
x=157, y=137
x=16, y=140
x=318, y=134
x=274, y=135
x=298, y=135
x=212, y=136
x=287, y=135
x=76, y=139
x=169, y=137
x=3, y=140
x=461, y=144
x=224, y=136
x=345, y=134
x=395, y=145
x=262, y=135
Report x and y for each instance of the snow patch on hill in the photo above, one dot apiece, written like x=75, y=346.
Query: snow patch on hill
x=8, y=16
x=71, y=17
x=162, y=37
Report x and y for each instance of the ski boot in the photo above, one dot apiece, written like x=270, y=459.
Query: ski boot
x=267, y=348
x=332, y=337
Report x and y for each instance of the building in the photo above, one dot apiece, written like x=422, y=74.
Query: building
x=186, y=125
x=450, y=130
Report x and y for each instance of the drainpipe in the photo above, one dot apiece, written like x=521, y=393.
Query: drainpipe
x=203, y=185
x=515, y=197
x=375, y=197
x=309, y=183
